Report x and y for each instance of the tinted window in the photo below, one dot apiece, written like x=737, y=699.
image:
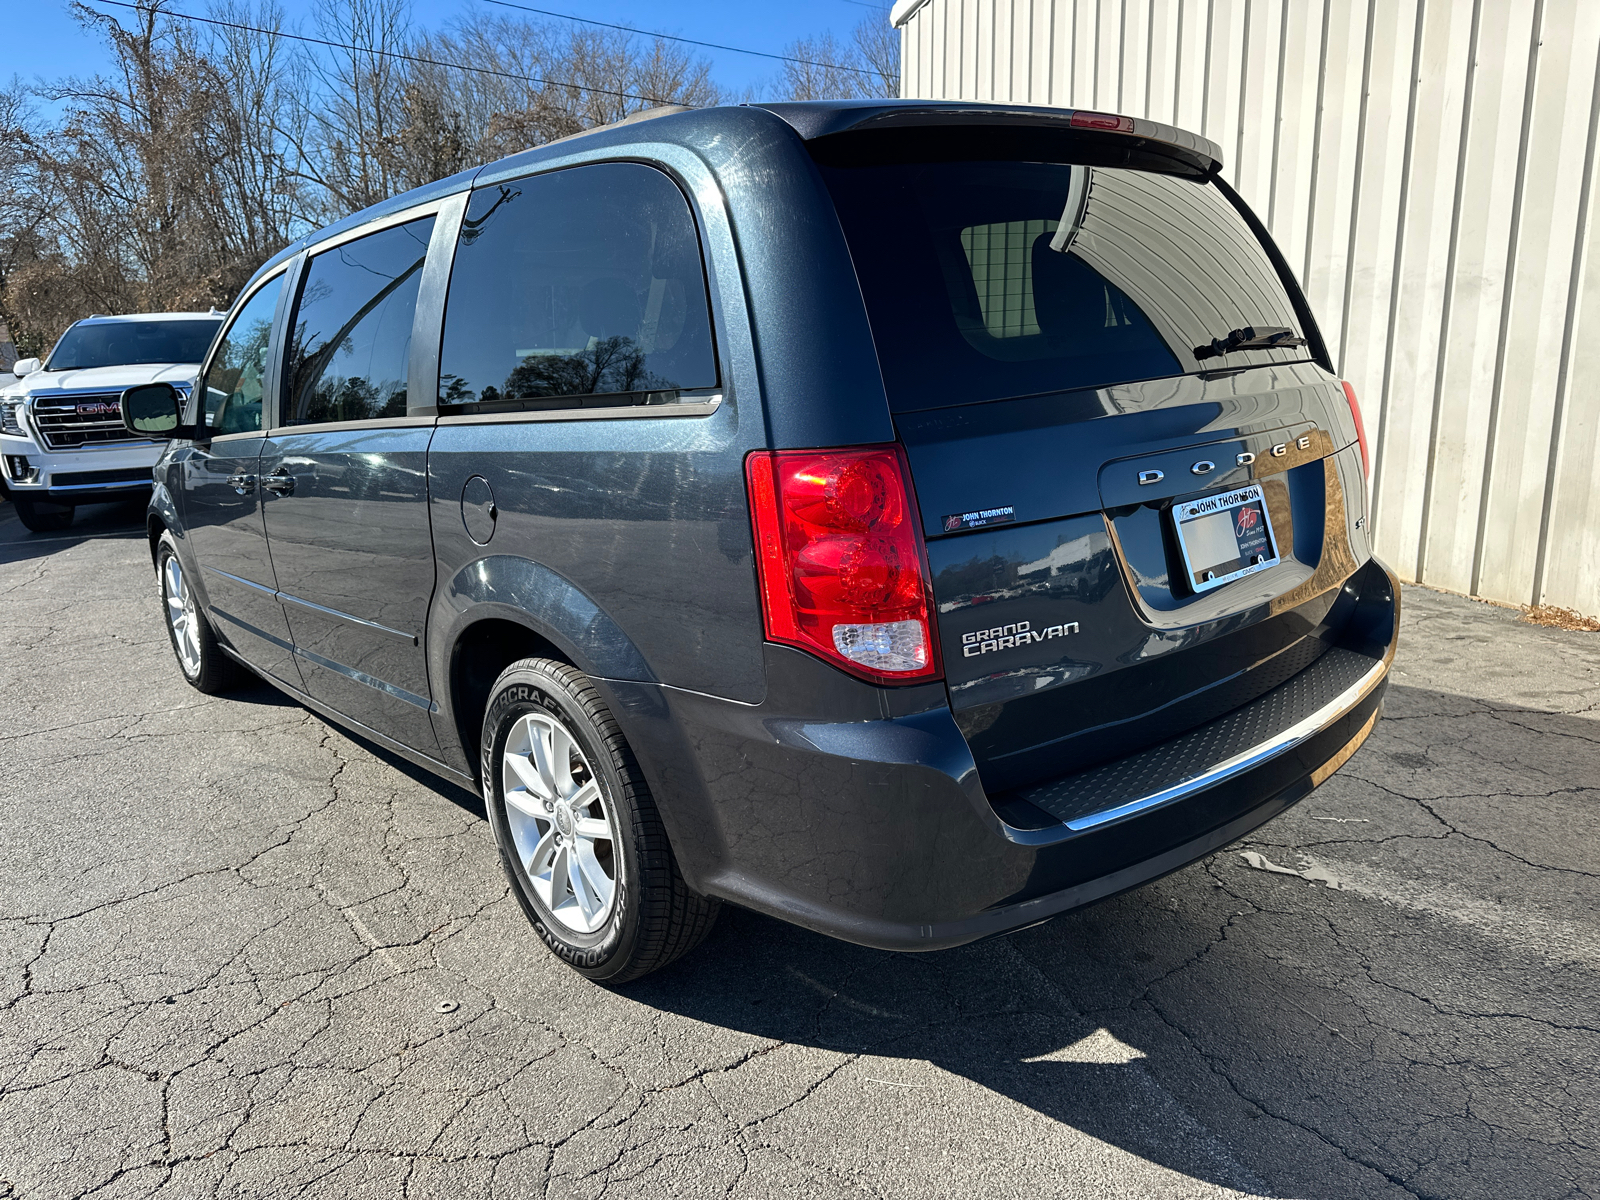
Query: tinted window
x=994, y=279
x=130, y=343
x=585, y=282
x=233, y=381
x=350, y=355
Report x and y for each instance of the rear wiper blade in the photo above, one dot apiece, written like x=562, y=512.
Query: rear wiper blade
x=1250, y=338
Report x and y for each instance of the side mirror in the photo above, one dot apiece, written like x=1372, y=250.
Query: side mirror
x=153, y=410
x=24, y=366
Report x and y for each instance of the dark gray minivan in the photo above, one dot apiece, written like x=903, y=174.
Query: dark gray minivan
x=912, y=520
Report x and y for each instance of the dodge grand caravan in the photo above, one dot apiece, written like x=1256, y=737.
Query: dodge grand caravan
x=911, y=520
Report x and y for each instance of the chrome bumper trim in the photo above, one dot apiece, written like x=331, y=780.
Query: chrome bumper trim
x=1287, y=740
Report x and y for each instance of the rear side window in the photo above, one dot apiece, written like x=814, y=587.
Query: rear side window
x=583, y=286
x=986, y=280
x=350, y=354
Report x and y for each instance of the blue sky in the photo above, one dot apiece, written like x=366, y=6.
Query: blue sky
x=43, y=35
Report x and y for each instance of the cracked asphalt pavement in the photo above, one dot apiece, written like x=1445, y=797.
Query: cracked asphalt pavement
x=244, y=954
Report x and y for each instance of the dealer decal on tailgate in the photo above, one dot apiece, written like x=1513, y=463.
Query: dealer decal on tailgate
x=977, y=519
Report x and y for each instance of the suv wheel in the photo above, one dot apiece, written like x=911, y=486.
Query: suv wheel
x=42, y=516
x=204, y=664
x=579, y=834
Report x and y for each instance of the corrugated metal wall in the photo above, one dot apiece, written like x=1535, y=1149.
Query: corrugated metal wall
x=1428, y=167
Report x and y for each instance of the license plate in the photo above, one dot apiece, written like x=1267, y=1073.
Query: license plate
x=1225, y=536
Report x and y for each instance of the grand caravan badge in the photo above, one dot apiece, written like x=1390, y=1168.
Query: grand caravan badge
x=1008, y=637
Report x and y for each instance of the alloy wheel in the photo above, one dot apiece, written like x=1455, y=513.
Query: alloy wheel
x=560, y=823
x=181, y=615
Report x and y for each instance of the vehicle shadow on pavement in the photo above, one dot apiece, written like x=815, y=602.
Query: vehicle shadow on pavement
x=980, y=1012
x=459, y=796
x=1348, y=987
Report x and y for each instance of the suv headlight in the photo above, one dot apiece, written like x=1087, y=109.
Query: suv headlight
x=11, y=418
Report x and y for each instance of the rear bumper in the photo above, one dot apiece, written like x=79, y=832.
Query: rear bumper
x=858, y=811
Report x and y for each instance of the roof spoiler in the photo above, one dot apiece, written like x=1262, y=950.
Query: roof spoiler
x=1189, y=153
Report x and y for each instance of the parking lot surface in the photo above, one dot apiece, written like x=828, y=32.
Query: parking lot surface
x=244, y=954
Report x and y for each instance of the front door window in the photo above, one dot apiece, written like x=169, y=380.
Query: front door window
x=233, y=383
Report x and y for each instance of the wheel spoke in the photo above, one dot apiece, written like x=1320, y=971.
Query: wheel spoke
x=528, y=775
x=585, y=795
x=594, y=874
x=561, y=748
x=551, y=747
x=527, y=804
x=592, y=828
x=580, y=888
x=540, y=858
x=558, y=878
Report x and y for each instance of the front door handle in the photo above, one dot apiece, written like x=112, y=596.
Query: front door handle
x=279, y=481
x=242, y=483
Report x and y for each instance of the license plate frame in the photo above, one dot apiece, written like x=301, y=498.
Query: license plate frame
x=1201, y=537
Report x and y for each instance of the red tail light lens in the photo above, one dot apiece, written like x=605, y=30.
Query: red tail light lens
x=1361, y=430
x=840, y=559
x=1097, y=120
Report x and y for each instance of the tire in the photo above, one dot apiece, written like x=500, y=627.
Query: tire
x=579, y=814
x=205, y=665
x=42, y=516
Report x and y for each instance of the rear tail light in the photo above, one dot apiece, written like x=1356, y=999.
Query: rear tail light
x=1361, y=430
x=839, y=554
x=1098, y=120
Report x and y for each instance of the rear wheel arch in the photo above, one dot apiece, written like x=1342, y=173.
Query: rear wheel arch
x=496, y=610
x=481, y=651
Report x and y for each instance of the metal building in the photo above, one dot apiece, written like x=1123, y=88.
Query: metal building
x=1428, y=168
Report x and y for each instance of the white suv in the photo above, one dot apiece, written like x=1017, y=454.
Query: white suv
x=62, y=441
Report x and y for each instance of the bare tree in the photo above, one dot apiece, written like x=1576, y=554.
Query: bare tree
x=259, y=194
x=357, y=111
x=167, y=181
x=877, y=45
x=126, y=158
x=532, y=83
x=828, y=69
x=24, y=204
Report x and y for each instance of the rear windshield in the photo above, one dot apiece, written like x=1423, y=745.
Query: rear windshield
x=132, y=343
x=986, y=280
